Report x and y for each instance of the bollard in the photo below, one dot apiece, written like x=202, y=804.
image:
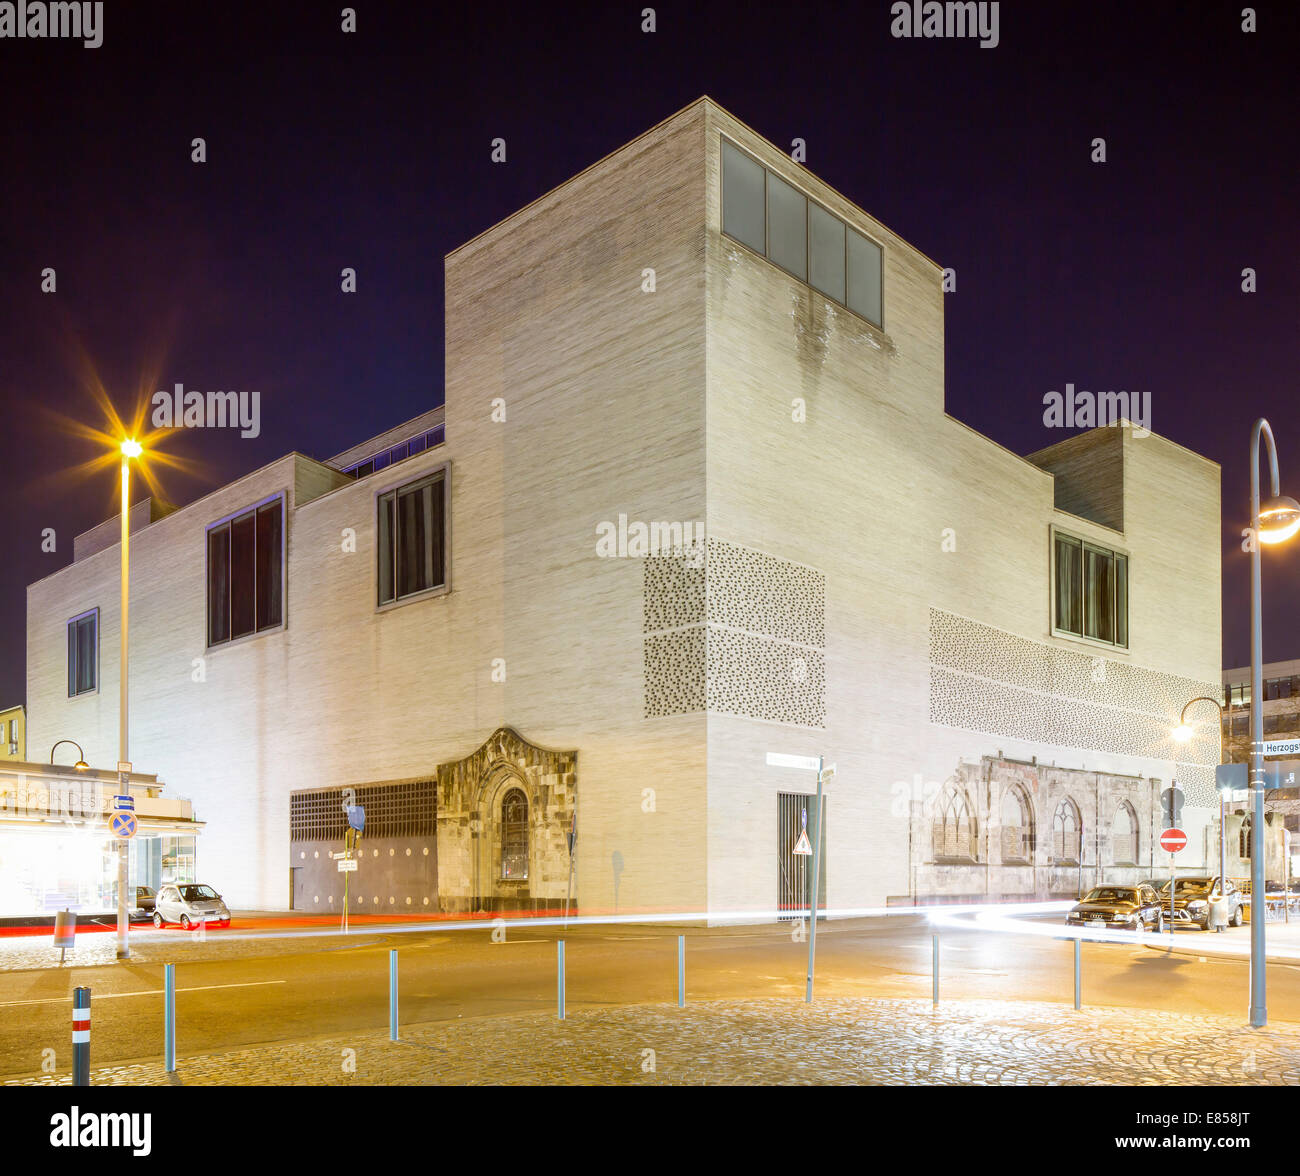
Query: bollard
x=169, y=1018
x=1077, y=975
x=81, y=1037
x=65, y=932
x=681, y=971
x=559, y=977
x=392, y=994
x=935, y=968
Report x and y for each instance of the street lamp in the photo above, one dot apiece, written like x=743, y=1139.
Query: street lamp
x=80, y=765
x=1276, y=522
x=130, y=448
x=1183, y=732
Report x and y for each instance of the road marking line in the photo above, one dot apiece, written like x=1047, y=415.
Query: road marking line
x=9, y=1004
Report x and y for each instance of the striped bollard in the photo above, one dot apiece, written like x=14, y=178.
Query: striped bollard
x=681, y=971
x=392, y=994
x=81, y=1037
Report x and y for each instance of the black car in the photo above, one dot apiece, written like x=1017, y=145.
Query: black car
x=1118, y=908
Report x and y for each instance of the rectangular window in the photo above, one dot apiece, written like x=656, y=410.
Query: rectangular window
x=744, y=211
x=412, y=539
x=787, y=226
x=1069, y=585
x=1090, y=591
x=864, y=277
x=826, y=257
x=246, y=573
x=83, y=654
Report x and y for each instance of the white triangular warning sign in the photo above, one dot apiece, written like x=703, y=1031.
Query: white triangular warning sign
x=803, y=845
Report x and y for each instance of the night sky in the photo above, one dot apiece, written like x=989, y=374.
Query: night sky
x=372, y=150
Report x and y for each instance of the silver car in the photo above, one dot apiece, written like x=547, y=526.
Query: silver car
x=190, y=904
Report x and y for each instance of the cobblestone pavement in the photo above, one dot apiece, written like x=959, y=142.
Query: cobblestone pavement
x=841, y=1041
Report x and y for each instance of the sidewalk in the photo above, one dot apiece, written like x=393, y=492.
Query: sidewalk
x=836, y=1041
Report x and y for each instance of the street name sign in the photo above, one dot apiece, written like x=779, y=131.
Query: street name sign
x=1172, y=840
x=1282, y=746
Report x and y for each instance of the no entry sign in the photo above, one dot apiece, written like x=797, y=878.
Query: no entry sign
x=1172, y=840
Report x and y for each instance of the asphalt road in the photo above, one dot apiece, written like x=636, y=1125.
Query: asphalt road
x=334, y=986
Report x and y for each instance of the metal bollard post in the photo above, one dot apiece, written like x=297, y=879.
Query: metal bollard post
x=681, y=971
x=935, y=969
x=559, y=977
x=392, y=994
x=81, y=1036
x=169, y=1018
x=1078, y=988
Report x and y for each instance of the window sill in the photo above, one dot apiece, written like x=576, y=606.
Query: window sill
x=414, y=598
x=1090, y=642
x=234, y=641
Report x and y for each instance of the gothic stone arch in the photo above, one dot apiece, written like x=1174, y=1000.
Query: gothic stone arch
x=470, y=793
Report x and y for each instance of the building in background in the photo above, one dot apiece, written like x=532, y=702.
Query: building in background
x=13, y=733
x=1281, y=705
x=693, y=498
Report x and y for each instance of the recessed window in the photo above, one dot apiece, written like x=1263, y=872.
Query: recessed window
x=514, y=835
x=412, y=526
x=83, y=654
x=774, y=218
x=864, y=277
x=1090, y=592
x=744, y=208
x=826, y=252
x=787, y=226
x=246, y=573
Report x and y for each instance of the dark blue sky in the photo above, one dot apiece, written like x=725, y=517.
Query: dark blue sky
x=371, y=150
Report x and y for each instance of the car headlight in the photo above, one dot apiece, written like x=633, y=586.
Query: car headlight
x=1198, y=904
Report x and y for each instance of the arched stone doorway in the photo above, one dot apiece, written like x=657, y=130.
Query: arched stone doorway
x=504, y=815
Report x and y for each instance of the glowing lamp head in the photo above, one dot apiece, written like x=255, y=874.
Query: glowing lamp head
x=131, y=448
x=1279, y=519
x=1183, y=732
x=81, y=766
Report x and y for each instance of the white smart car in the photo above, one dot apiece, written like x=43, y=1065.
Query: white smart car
x=189, y=904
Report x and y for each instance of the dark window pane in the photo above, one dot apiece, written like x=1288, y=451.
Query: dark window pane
x=1069, y=586
x=826, y=262
x=743, y=210
x=381, y=461
x=437, y=436
x=365, y=469
x=787, y=226
x=270, y=534
x=243, y=574
x=417, y=444
x=386, y=560
x=1098, y=600
x=1121, y=600
x=514, y=835
x=413, y=572
x=863, y=279
x=398, y=452
x=86, y=654
x=72, y=658
x=219, y=585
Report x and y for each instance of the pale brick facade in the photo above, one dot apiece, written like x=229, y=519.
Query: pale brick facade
x=876, y=586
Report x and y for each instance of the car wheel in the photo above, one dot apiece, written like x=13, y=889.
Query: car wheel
x=185, y=922
x=157, y=920
x=1236, y=917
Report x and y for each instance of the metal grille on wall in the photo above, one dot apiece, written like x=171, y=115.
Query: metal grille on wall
x=407, y=809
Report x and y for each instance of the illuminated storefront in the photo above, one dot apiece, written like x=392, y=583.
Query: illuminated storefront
x=58, y=853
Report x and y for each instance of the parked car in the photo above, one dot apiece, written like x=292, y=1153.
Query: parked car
x=1118, y=908
x=190, y=904
x=1192, y=901
x=144, y=898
